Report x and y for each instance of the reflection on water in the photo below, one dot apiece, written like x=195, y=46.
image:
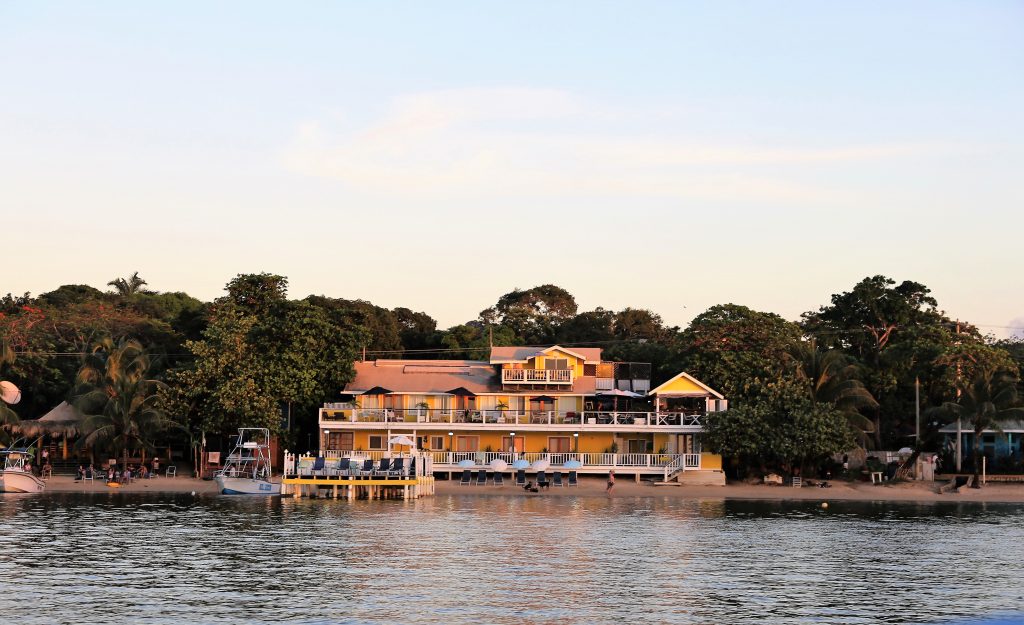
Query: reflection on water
x=462, y=559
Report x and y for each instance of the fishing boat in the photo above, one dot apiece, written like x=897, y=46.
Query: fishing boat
x=247, y=468
x=17, y=474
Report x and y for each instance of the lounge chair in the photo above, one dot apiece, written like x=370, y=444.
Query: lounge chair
x=385, y=467
x=412, y=466
x=344, y=466
x=481, y=477
x=572, y=479
x=367, y=468
x=521, y=477
x=318, y=465
x=499, y=478
x=542, y=480
x=467, y=476
x=558, y=478
x=397, y=467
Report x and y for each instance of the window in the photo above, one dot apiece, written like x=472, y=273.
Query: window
x=556, y=363
x=467, y=443
x=559, y=444
x=376, y=442
x=437, y=443
x=638, y=446
x=506, y=444
x=341, y=441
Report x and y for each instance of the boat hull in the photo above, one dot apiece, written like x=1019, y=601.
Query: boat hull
x=20, y=482
x=246, y=486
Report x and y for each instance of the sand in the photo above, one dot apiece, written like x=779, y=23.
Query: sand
x=594, y=487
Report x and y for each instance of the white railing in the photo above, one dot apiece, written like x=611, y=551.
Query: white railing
x=511, y=417
x=536, y=376
x=682, y=462
x=481, y=459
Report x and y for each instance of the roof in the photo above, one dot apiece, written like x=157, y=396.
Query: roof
x=499, y=355
x=425, y=377
x=440, y=377
x=1012, y=425
x=663, y=389
x=63, y=419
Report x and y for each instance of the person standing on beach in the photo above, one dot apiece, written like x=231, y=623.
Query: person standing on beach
x=611, y=483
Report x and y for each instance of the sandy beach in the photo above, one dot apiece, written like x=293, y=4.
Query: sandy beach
x=594, y=487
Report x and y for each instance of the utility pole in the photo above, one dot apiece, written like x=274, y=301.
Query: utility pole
x=959, y=436
x=917, y=411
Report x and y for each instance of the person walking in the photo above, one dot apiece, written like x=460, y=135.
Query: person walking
x=611, y=483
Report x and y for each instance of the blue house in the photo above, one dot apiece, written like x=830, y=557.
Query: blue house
x=1003, y=448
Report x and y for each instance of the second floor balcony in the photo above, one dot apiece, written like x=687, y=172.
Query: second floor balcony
x=537, y=376
x=598, y=419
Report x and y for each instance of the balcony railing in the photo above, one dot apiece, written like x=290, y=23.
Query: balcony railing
x=536, y=376
x=503, y=418
x=449, y=460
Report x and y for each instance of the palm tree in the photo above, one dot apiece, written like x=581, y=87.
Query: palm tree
x=119, y=402
x=130, y=286
x=830, y=377
x=987, y=401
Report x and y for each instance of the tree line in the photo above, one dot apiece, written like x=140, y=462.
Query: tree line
x=843, y=374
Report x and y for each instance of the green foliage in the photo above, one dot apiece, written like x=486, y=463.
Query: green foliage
x=831, y=377
x=472, y=341
x=986, y=401
x=778, y=428
x=533, y=315
x=131, y=285
x=728, y=346
x=118, y=399
x=383, y=332
x=256, y=292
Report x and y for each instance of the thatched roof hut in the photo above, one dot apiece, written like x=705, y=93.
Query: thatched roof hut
x=64, y=420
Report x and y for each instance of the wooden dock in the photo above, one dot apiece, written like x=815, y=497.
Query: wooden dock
x=357, y=487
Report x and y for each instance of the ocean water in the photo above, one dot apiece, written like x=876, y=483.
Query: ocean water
x=127, y=558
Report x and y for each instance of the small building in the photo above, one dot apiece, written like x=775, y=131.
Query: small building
x=564, y=405
x=1002, y=447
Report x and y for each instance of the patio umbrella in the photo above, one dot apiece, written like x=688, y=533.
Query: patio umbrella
x=498, y=465
x=461, y=391
x=616, y=394
x=521, y=464
x=467, y=464
x=541, y=465
x=402, y=440
x=572, y=464
x=377, y=390
x=542, y=398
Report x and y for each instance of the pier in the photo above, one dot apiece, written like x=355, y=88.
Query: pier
x=358, y=478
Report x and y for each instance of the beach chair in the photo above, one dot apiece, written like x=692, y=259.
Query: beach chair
x=467, y=476
x=412, y=466
x=797, y=482
x=572, y=479
x=481, y=478
x=558, y=479
x=542, y=480
x=521, y=477
x=344, y=466
x=318, y=465
x=367, y=467
x=172, y=471
x=499, y=478
x=384, y=468
x=398, y=467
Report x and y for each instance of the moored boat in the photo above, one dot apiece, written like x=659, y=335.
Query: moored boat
x=247, y=470
x=17, y=475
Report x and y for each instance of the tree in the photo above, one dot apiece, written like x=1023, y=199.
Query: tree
x=778, y=428
x=256, y=292
x=534, y=315
x=830, y=377
x=729, y=346
x=473, y=340
x=641, y=324
x=118, y=399
x=7, y=415
x=417, y=330
x=131, y=285
x=382, y=330
x=594, y=326
x=986, y=401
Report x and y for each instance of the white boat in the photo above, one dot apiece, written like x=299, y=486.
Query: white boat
x=247, y=469
x=17, y=474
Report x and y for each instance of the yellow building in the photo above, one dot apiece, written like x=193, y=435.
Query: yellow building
x=557, y=404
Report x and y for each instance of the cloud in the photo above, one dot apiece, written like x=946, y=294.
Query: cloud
x=532, y=142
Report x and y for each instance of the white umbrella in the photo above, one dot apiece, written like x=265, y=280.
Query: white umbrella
x=9, y=393
x=541, y=464
x=521, y=464
x=402, y=440
x=467, y=464
x=619, y=393
x=498, y=465
x=905, y=450
x=572, y=464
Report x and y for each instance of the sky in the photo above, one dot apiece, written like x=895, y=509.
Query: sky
x=435, y=155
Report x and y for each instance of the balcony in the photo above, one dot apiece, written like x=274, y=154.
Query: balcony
x=537, y=376
x=531, y=419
